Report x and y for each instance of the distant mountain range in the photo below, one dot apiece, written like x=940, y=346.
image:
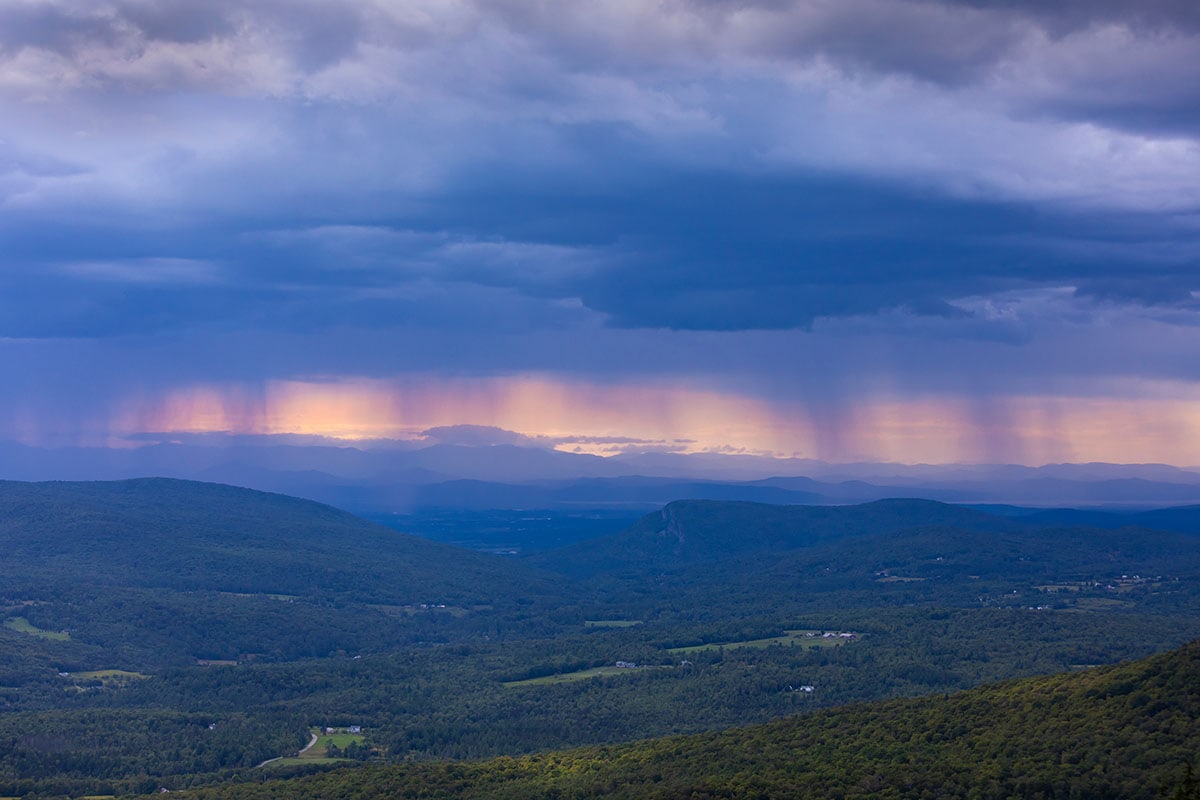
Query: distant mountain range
x=179, y=569
x=400, y=477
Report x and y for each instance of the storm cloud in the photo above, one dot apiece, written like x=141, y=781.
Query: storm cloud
x=959, y=199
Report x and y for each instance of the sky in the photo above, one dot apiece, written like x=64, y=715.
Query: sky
x=905, y=230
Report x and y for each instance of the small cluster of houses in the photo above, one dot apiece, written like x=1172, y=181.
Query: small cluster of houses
x=626, y=665
x=831, y=635
x=348, y=729
x=1125, y=581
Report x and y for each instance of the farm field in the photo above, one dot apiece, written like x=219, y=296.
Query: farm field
x=301, y=761
x=803, y=638
x=109, y=678
x=283, y=598
x=110, y=674
x=318, y=750
x=24, y=626
x=325, y=740
x=579, y=675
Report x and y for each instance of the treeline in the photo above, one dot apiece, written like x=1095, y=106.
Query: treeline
x=1129, y=731
x=110, y=751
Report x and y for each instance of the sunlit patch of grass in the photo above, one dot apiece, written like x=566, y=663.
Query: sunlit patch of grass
x=110, y=678
x=789, y=639
x=24, y=626
x=579, y=675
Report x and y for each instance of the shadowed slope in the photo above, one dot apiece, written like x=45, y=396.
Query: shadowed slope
x=183, y=535
x=146, y=573
x=691, y=532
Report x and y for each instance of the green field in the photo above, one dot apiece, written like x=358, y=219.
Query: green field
x=283, y=598
x=789, y=639
x=23, y=625
x=110, y=677
x=319, y=751
x=795, y=638
x=580, y=675
x=1097, y=604
x=302, y=761
x=612, y=623
x=338, y=740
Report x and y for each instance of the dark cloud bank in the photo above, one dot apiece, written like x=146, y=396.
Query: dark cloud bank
x=238, y=191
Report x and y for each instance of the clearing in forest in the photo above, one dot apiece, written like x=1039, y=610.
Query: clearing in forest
x=110, y=678
x=806, y=638
x=24, y=626
x=578, y=675
x=317, y=750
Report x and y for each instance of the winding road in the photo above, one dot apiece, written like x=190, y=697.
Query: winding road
x=307, y=747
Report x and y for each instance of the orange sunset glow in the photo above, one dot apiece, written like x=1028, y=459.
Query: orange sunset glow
x=601, y=418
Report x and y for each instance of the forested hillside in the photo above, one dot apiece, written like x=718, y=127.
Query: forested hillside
x=135, y=615
x=187, y=536
x=142, y=574
x=698, y=531
x=722, y=559
x=1129, y=731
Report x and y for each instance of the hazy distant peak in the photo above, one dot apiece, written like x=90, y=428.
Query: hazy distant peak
x=479, y=436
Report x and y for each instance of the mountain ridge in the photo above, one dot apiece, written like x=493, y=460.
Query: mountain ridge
x=231, y=527
x=688, y=532
x=146, y=573
x=393, y=476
